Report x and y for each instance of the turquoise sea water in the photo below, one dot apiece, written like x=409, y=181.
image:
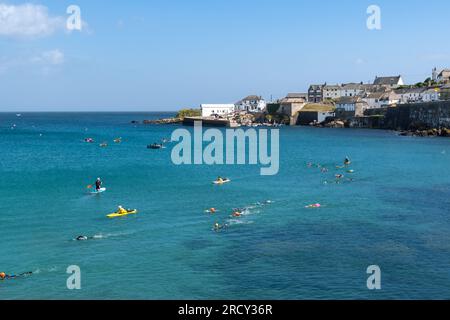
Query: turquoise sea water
x=395, y=214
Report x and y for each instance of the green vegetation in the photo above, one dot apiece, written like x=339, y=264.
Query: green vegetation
x=427, y=83
x=318, y=107
x=188, y=113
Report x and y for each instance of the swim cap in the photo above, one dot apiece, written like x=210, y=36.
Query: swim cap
x=2, y=275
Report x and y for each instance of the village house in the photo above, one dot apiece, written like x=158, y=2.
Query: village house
x=410, y=95
x=314, y=113
x=216, y=110
x=331, y=92
x=290, y=107
x=297, y=95
x=444, y=76
x=251, y=104
x=315, y=93
x=351, y=106
x=391, y=82
x=351, y=90
x=380, y=99
x=431, y=95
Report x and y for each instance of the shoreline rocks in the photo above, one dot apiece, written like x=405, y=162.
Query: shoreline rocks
x=160, y=121
x=426, y=133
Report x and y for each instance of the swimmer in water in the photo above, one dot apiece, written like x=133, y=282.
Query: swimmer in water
x=4, y=276
x=217, y=227
x=347, y=161
x=316, y=205
x=83, y=238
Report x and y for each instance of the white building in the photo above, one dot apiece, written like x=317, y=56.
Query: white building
x=410, y=95
x=350, y=90
x=376, y=100
x=392, y=82
x=331, y=92
x=351, y=105
x=431, y=95
x=217, y=110
x=346, y=103
x=251, y=104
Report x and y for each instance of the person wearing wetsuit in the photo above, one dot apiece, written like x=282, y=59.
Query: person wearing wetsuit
x=4, y=276
x=98, y=184
x=347, y=161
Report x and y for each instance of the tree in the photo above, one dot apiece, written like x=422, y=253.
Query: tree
x=188, y=113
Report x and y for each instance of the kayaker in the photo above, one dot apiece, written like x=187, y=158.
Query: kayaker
x=121, y=210
x=98, y=184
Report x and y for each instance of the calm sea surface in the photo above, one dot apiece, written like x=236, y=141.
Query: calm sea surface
x=394, y=213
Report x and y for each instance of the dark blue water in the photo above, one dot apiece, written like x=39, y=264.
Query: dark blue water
x=394, y=213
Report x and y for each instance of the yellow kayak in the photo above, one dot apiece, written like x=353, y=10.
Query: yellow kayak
x=116, y=215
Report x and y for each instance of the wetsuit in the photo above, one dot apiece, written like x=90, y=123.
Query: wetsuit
x=98, y=185
x=11, y=276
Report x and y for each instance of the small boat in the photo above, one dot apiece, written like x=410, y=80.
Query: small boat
x=155, y=146
x=117, y=215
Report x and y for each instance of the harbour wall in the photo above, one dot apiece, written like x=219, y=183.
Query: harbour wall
x=417, y=116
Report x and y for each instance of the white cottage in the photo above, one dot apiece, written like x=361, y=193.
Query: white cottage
x=381, y=99
x=251, y=104
x=410, y=95
x=431, y=95
x=331, y=92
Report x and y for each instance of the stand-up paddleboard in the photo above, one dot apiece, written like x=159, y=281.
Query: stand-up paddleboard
x=116, y=215
x=101, y=190
x=222, y=182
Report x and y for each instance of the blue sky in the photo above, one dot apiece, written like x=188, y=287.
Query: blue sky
x=170, y=54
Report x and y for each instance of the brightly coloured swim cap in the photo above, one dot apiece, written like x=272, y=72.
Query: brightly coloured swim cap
x=2, y=275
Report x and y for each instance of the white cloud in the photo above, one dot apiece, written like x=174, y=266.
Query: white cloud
x=52, y=57
x=28, y=20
